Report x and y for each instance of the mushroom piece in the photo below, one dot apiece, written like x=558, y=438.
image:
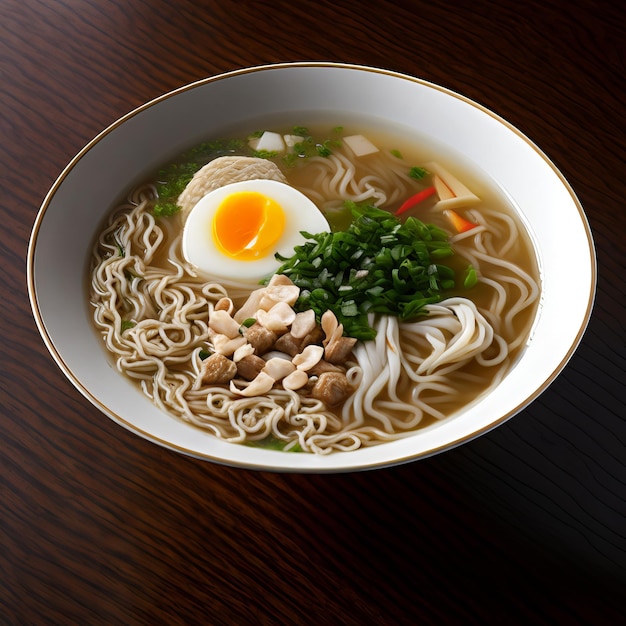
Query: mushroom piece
x=243, y=351
x=279, y=289
x=331, y=388
x=296, y=380
x=227, y=346
x=221, y=322
x=261, y=384
x=278, y=318
x=303, y=324
x=309, y=357
x=217, y=369
x=250, y=306
x=337, y=348
x=223, y=171
x=278, y=368
x=330, y=325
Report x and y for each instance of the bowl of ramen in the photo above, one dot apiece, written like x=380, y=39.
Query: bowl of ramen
x=311, y=267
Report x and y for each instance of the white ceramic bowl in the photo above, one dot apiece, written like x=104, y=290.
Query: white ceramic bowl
x=146, y=137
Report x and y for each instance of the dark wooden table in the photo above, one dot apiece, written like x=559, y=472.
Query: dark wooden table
x=526, y=525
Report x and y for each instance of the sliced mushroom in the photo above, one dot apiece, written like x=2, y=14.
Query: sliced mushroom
x=309, y=357
x=331, y=388
x=217, y=369
x=221, y=322
x=303, y=324
x=278, y=368
x=250, y=306
x=296, y=380
x=330, y=325
x=278, y=318
x=227, y=346
x=243, y=351
x=261, y=384
x=279, y=289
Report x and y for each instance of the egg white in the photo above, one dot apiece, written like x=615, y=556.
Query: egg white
x=199, y=248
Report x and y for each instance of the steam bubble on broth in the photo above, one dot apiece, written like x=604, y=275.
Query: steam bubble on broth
x=154, y=308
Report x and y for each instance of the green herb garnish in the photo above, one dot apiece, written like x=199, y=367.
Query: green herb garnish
x=309, y=146
x=273, y=443
x=377, y=265
x=265, y=154
x=418, y=172
x=172, y=179
x=250, y=321
x=471, y=278
x=165, y=209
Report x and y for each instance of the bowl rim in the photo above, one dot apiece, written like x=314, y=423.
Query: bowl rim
x=72, y=377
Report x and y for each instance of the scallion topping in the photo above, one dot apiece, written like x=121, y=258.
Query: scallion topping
x=378, y=265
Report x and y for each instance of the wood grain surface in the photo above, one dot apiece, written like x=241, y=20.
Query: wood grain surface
x=525, y=525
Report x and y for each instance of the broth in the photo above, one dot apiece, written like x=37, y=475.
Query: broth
x=507, y=282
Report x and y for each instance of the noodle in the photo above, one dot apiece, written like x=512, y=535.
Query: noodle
x=152, y=309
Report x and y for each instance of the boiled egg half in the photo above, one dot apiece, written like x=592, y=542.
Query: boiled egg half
x=234, y=231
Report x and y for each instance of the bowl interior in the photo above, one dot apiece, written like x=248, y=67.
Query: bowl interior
x=145, y=138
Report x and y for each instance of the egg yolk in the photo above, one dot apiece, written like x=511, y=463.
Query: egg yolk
x=247, y=225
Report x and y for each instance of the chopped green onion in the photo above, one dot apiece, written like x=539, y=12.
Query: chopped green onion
x=471, y=278
x=265, y=154
x=377, y=265
x=418, y=172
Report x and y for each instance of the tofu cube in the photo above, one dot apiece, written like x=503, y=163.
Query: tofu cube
x=360, y=145
x=268, y=141
x=292, y=140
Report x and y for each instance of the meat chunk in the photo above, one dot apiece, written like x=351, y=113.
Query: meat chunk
x=223, y=171
x=315, y=336
x=288, y=344
x=217, y=370
x=262, y=339
x=338, y=350
x=249, y=366
x=291, y=345
x=332, y=388
x=324, y=366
